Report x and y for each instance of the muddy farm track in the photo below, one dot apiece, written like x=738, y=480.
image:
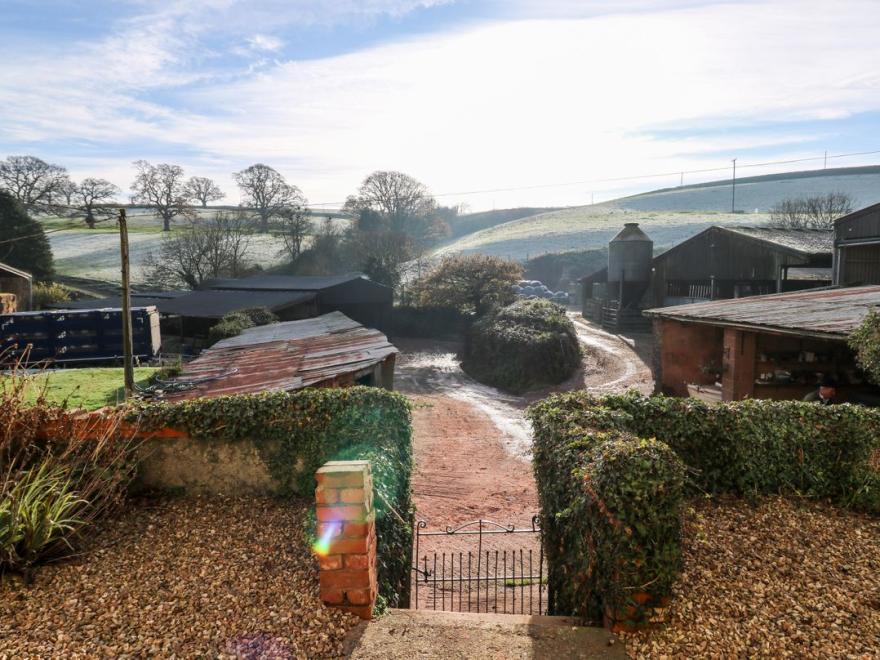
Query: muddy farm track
x=472, y=448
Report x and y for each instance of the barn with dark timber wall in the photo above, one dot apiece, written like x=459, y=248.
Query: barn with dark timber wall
x=355, y=295
x=857, y=247
x=718, y=263
x=19, y=284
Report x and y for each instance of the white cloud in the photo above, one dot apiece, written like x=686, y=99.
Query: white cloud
x=265, y=42
x=497, y=105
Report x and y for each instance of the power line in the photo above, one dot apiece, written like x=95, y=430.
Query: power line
x=51, y=231
x=638, y=177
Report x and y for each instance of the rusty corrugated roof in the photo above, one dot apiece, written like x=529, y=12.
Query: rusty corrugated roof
x=832, y=313
x=284, y=356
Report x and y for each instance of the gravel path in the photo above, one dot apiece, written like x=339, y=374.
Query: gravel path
x=185, y=577
x=780, y=579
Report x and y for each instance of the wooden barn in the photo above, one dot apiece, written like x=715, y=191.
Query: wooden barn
x=17, y=283
x=718, y=263
x=857, y=247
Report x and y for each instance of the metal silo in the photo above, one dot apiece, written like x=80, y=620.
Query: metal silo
x=629, y=264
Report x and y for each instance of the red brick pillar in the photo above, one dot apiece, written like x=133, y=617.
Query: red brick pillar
x=346, y=545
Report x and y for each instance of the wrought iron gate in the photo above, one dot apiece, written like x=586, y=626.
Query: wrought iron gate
x=477, y=567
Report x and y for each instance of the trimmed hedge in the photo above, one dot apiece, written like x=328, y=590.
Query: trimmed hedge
x=298, y=432
x=429, y=322
x=611, y=502
x=528, y=344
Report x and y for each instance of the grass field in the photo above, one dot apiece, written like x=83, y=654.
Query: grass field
x=587, y=227
x=84, y=388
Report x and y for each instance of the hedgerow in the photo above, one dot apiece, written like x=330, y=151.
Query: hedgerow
x=297, y=432
x=611, y=499
x=522, y=346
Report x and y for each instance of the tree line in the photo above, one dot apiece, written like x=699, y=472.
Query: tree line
x=394, y=219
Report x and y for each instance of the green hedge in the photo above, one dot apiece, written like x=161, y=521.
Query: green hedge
x=298, y=432
x=525, y=345
x=429, y=322
x=611, y=502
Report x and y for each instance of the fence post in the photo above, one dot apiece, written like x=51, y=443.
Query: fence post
x=346, y=546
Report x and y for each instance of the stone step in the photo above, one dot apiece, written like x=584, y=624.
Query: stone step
x=461, y=635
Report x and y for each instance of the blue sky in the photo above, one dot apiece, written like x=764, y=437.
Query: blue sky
x=463, y=94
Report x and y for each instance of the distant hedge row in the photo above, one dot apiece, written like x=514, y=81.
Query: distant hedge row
x=300, y=431
x=611, y=500
x=523, y=346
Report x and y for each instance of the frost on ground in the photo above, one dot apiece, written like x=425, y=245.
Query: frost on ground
x=184, y=577
x=95, y=255
x=778, y=579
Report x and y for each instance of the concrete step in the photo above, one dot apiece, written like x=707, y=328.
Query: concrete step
x=458, y=635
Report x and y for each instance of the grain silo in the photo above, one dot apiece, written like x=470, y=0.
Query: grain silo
x=629, y=265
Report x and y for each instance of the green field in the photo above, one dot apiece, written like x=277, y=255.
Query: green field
x=587, y=227
x=82, y=388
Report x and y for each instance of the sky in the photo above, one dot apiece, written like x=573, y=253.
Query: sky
x=534, y=102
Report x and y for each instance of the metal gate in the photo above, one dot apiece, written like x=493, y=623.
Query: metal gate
x=480, y=566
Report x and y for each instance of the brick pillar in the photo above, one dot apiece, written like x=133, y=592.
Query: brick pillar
x=740, y=353
x=346, y=547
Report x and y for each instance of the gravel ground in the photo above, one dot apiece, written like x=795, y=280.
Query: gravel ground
x=180, y=577
x=778, y=579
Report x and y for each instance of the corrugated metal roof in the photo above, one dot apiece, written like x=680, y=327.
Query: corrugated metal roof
x=806, y=241
x=284, y=282
x=285, y=356
x=831, y=313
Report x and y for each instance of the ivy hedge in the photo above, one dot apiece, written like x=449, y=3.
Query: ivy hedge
x=612, y=473
x=297, y=432
x=525, y=345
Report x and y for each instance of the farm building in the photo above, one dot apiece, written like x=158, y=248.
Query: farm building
x=718, y=263
x=328, y=351
x=18, y=283
x=355, y=295
x=774, y=346
x=857, y=247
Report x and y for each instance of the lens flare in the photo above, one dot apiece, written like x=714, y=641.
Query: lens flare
x=322, y=545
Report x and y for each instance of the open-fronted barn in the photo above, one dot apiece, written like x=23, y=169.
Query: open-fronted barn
x=857, y=247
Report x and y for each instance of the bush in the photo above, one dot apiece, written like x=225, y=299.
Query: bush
x=430, y=322
x=59, y=473
x=234, y=323
x=50, y=293
x=593, y=472
x=298, y=432
x=865, y=341
x=473, y=284
x=528, y=344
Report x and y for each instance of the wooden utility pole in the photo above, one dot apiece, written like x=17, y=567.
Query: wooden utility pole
x=128, y=359
x=733, y=190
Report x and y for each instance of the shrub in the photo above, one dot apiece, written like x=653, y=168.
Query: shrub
x=525, y=345
x=611, y=502
x=50, y=293
x=430, y=322
x=234, y=323
x=59, y=473
x=298, y=432
x=865, y=341
x=473, y=284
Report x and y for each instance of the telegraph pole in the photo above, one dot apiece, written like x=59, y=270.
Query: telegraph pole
x=825, y=164
x=733, y=190
x=127, y=350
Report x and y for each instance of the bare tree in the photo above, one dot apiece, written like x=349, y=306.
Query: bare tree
x=162, y=188
x=202, y=251
x=295, y=226
x=203, y=190
x=814, y=212
x=403, y=202
x=267, y=193
x=32, y=181
x=91, y=195
x=67, y=190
